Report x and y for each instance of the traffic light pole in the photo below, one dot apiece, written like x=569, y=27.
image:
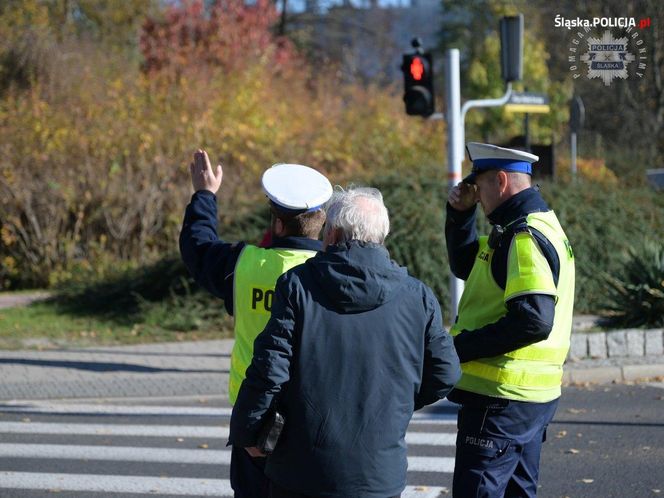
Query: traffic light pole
x=456, y=117
x=455, y=139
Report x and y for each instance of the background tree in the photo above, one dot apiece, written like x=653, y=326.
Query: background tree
x=472, y=27
x=625, y=121
x=228, y=34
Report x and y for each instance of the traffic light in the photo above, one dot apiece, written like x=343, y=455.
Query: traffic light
x=511, y=48
x=418, y=83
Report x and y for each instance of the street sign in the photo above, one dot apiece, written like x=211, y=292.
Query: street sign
x=535, y=103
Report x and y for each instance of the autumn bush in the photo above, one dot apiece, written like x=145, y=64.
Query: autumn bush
x=93, y=173
x=593, y=170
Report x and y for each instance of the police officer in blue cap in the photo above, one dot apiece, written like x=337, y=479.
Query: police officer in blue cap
x=244, y=275
x=513, y=327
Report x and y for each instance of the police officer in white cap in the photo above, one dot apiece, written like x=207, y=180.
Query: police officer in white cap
x=512, y=331
x=244, y=275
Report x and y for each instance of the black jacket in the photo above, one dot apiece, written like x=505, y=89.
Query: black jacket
x=353, y=346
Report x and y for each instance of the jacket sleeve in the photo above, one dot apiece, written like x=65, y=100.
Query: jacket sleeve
x=268, y=372
x=210, y=260
x=461, y=240
x=441, y=363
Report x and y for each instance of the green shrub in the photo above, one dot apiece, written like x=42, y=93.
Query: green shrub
x=635, y=296
x=602, y=223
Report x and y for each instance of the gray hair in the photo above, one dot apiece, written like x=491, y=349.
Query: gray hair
x=359, y=213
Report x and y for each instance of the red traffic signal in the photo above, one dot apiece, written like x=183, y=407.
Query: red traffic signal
x=418, y=95
x=416, y=68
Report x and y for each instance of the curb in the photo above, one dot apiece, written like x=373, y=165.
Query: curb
x=627, y=343
x=613, y=374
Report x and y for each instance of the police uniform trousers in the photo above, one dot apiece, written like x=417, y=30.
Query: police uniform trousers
x=248, y=478
x=498, y=448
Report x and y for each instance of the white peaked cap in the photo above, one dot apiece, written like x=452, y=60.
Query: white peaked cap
x=487, y=157
x=478, y=150
x=296, y=187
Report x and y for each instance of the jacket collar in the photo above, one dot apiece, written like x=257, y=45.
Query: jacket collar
x=519, y=205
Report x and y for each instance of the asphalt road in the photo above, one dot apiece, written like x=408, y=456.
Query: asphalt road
x=606, y=441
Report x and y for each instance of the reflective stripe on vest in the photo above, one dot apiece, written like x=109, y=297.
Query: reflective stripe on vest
x=256, y=273
x=532, y=373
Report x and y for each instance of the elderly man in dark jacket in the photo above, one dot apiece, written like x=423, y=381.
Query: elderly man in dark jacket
x=353, y=346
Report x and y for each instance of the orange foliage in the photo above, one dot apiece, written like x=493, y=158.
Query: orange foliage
x=591, y=169
x=229, y=35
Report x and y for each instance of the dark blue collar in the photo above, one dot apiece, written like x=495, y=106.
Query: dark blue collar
x=519, y=205
x=303, y=243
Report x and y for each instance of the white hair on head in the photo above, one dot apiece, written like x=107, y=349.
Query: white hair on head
x=360, y=214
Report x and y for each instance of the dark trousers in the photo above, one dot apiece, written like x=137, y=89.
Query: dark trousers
x=247, y=475
x=278, y=492
x=498, y=449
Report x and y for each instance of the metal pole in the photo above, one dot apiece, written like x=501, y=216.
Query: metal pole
x=572, y=147
x=471, y=104
x=455, y=138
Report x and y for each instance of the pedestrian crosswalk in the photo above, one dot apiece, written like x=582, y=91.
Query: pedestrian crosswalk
x=165, y=450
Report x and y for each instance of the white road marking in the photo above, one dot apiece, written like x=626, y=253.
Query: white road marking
x=431, y=438
x=168, y=455
x=184, y=431
x=431, y=464
x=433, y=418
x=90, y=409
x=116, y=453
x=212, y=432
x=148, y=485
x=116, y=484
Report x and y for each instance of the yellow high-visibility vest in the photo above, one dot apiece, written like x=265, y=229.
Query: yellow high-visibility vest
x=256, y=273
x=532, y=373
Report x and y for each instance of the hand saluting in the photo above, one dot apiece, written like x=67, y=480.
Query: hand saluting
x=463, y=196
x=202, y=176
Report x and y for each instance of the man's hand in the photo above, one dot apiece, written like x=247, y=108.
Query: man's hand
x=255, y=452
x=202, y=176
x=463, y=196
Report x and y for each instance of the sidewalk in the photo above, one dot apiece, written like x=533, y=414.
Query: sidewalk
x=170, y=369
x=197, y=369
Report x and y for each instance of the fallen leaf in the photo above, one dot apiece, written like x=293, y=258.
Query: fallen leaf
x=576, y=411
x=26, y=420
x=587, y=481
x=561, y=434
x=203, y=446
x=573, y=451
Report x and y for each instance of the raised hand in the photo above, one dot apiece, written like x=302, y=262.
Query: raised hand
x=463, y=196
x=202, y=175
